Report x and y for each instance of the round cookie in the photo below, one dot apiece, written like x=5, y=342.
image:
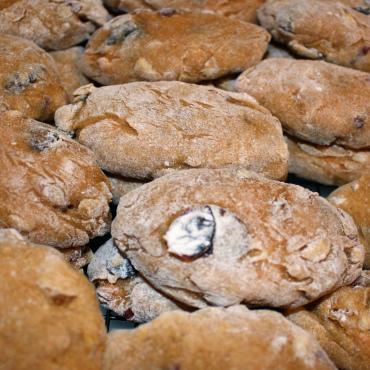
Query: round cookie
x=319, y=29
x=143, y=130
x=341, y=324
x=53, y=25
x=245, y=10
x=354, y=198
x=50, y=318
x=172, y=45
x=223, y=237
x=51, y=189
x=29, y=81
x=120, y=288
x=67, y=62
x=121, y=186
x=217, y=339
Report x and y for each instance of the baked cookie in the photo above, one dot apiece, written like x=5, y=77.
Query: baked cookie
x=67, y=62
x=354, y=198
x=362, y=6
x=329, y=165
x=53, y=24
x=172, y=45
x=223, y=237
x=143, y=130
x=275, y=51
x=50, y=318
x=51, y=189
x=341, y=324
x=5, y=3
x=319, y=29
x=122, y=289
x=121, y=186
x=217, y=339
x=29, y=81
x=78, y=257
x=245, y=10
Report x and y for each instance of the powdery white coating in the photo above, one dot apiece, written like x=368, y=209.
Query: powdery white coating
x=291, y=248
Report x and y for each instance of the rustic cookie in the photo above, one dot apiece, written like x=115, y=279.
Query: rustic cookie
x=341, y=324
x=315, y=101
x=50, y=318
x=354, y=198
x=78, y=257
x=121, y=186
x=51, y=189
x=122, y=289
x=217, y=339
x=222, y=237
x=67, y=62
x=52, y=24
x=362, y=6
x=329, y=165
x=143, y=130
x=245, y=10
x=275, y=51
x=319, y=29
x=172, y=45
x=29, y=81
x=5, y=3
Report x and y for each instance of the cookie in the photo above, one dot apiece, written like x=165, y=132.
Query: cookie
x=306, y=27
x=70, y=75
x=275, y=51
x=78, y=257
x=244, y=10
x=223, y=237
x=50, y=318
x=120, y=288
x=29, y=81
x=217, y=339
x=354, y=198
x=51, y=189
x=329, y=165
x=362, y=6
x=121, y=186
x=172, y=45
x=341, y=324
x=143, y=130
x=53, y=25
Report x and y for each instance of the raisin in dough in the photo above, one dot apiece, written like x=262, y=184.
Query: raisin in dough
x=143, y=130
x=53, y=24
x=68, y=62
x=341, y=324
x=354, y=198
x=318, y=29
x=245, y=10
x=50, y=318
x=120, y=288
x=29, y=81
x=222, y=237
x=51, y=189
x=170, y=45
x=217, y=339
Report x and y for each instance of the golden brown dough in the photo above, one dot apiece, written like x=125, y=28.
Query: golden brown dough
x=362, y=6
x=67, y=62
x=341, y=324
x=51, y=189
x=329, y=165
x=5, y=3
x=121, y=186
x=143, y=130
x=354, y=198
x=53, y=24
x=319, y=29
x=50, y=318
x=217, y=339
x=172, y=45
x=286, y=245
x=29, y=81
x=245, y=10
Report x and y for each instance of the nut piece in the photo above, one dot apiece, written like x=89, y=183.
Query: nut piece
x=306, y=27
x=29, y=81
x=204, y=46
x=51, y=189
x=354, y=198
x=53, y=24
x=143, y=130
x=286, y=245
x=217, y=339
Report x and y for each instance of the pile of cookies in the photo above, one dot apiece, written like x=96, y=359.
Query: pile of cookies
x=145, y=146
